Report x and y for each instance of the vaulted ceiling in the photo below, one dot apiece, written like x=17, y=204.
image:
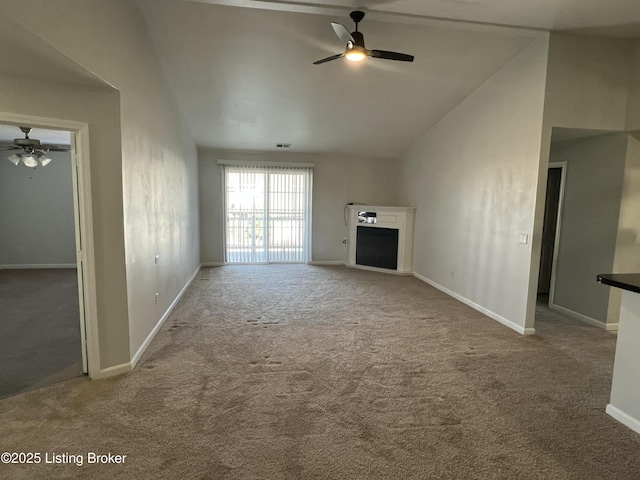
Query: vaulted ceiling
x=242, y=72
x=243, y=77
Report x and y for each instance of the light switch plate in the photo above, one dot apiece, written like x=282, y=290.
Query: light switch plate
x=523, y=238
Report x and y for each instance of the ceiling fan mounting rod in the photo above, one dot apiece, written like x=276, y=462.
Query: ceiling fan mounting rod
x=357, y=16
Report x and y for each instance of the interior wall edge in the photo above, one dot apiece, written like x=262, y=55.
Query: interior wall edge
x=506, y=322
x=584, y=318
x=145, y=344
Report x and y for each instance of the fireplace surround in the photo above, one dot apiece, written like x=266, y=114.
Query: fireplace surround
x=380, y=238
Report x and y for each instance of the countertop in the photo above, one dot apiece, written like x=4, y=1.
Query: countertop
x=626, y=281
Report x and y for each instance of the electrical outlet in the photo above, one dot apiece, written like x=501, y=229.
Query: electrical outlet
x=157, y=295
x=344, y=243
x=157, y=259
x=453, y=274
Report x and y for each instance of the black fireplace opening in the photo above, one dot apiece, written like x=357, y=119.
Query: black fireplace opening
x=377, y=247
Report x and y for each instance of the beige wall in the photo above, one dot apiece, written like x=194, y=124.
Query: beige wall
x=633, y=110
x=157, y=190
x=100, y=109
x=588, y=82
x=337, y=180
x=627, y=250
x=473, y=178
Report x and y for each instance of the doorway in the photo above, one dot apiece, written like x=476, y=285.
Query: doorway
x=47, y=289
x=550, y=231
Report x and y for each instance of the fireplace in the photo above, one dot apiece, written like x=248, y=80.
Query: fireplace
x=377, y=247
x=380, y=238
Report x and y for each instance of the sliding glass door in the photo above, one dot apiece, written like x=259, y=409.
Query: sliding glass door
x=267, y=214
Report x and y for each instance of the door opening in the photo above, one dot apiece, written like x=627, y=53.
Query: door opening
x=550, y=231
x=60, y=267
x=267, y=213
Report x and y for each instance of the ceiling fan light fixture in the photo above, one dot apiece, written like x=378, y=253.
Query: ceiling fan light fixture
x=30, y=161
x=355, y=50
x=355, y=54
x=15, y=159
x=44, y=160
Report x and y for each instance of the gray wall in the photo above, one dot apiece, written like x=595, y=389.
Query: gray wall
x=591, y=206
x=473, y=178
x=337, y=180
x=592, y=83
x=36, y=213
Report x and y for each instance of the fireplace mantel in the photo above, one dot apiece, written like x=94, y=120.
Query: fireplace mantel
x=390, y=219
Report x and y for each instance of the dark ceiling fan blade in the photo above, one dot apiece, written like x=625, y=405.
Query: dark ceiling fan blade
x=402, y=57
x=328, y=59
x=342, y=33
x=9, y=147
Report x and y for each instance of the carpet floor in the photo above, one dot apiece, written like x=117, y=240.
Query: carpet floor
x=39, y=328
x=302, y=372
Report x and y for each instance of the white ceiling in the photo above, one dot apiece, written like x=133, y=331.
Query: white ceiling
x=244, y=80
x=622, y=15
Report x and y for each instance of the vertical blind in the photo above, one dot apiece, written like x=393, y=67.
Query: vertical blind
x=267, y=213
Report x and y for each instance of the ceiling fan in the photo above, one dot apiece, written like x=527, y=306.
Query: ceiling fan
x=355, y=49
x=32, y=151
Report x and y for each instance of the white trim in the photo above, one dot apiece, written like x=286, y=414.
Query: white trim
x=624, y=418
x=24, y=266
x=212, y=264
x=326, y=262
x=309, y=213
x=223, y=194
x=556, y=241
x=257, y=163
x=583, y=318
x=111, y=371
x=373, y=208
x=84, y=222
x=475, y=306
x=150, y=337
x=87, y=255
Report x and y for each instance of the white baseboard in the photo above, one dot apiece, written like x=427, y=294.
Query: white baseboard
x=584, y=318
x=326, y=262
x=112, y=371
x=623, y=418
x=212, y=264
x=475, y=306
x=34, y=266
x=150, y=337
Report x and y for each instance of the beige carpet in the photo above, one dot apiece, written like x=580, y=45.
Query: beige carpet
x=301, y=372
